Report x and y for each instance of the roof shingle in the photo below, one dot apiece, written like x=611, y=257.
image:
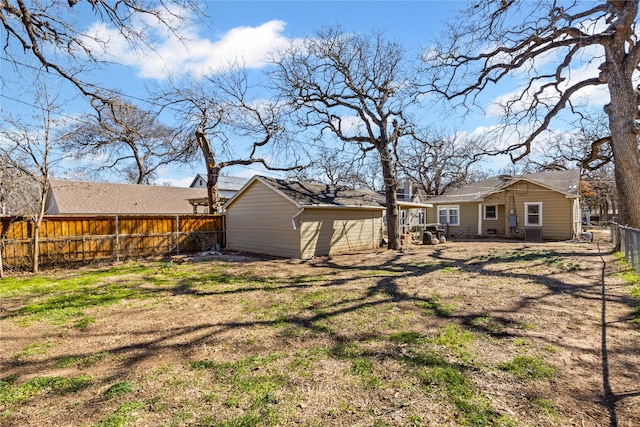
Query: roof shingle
x=565, y=182
x=83, y=197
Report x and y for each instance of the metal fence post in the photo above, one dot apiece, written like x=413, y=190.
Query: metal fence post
x=627, y=241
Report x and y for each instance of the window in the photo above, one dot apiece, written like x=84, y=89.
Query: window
x=421, y=217
x=533, y=213
x=449, y=215
x=491, y=212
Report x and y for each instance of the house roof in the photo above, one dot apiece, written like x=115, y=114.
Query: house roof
x=306, y=195
x=228, y=183
x=564, y=182
x=83, y=197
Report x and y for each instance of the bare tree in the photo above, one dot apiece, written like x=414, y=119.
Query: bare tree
x=18, y=193
x=47, y=31
x=230, y=128
x=588, y=146
x=598, y=192
x=29, y=149
x=133, y=140
x=335, y=166
x=18, y=196
x=355, y=88
x=493, y=41
x=438, y=163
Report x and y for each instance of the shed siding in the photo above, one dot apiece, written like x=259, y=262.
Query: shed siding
x=334, y=231
x=260, y=222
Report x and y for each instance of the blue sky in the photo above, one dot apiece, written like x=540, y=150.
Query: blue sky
x=249, y=29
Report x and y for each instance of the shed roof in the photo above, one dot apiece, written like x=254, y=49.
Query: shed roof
x=307, y=195
x=564, y=182
x=84, y=197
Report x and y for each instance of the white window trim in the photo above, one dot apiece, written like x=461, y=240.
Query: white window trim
x=449, y=207
x=485, y=213
x=526, y=214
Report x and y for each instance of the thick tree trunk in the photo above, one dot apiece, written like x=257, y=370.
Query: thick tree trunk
x=212, y=189
x=390, y=187
x=623, y=112
x=627, y=174
x=213, y=171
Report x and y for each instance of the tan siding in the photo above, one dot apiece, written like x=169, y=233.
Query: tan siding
x=260, y=221
x=468, y=219
x=333, y=231
x=496, y=226
x=557, y=210
x=558, y=216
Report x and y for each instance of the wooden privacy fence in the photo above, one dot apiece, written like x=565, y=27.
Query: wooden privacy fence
x=67, y=240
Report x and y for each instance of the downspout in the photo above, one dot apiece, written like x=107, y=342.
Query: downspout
x=479, y=219
x=293, y=218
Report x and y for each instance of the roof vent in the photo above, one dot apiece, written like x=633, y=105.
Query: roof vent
x=505, y=178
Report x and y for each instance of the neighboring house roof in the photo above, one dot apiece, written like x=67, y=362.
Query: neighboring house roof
x=229, y=183
x=95, y=198
x=564, y=182
x=306, y=195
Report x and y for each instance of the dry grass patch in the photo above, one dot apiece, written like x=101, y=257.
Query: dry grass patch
x=465, y=333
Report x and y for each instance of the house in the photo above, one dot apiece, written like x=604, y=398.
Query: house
x=228, y=186
x=533, y=206
x=411, y=219
x=302, y=220
x=97, y=198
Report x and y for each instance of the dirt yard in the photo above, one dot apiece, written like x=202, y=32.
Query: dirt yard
x=461, y=333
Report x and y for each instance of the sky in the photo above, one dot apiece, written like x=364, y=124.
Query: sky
x=249, y=29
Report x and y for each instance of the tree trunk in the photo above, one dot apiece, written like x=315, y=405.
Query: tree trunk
x=390, y=187
x=213, y=171
x=622, y=112
x=212, y=189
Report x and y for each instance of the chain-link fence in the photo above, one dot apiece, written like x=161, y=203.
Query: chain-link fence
x=627, y=240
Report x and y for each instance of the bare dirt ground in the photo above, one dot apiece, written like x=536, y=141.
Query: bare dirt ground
x=343, y=340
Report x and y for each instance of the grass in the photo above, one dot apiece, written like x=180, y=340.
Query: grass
x=11, y=392
x=33, y=349
x=119, y=389
x=122, y=416
x=80, y=361
x=345, y=346
x=529, y=368
x=435, y=307
x=632, y=279
x=547, y=407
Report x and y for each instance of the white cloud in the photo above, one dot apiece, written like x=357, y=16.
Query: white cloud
x=193, y=54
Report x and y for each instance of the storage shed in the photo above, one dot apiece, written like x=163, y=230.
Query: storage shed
x=301, y=220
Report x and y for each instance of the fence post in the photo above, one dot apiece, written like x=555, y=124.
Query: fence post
x=177, y=235
x=117, y=241
x=1, y=265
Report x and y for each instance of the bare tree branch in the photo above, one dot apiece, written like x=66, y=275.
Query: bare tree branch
x=497, y=42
